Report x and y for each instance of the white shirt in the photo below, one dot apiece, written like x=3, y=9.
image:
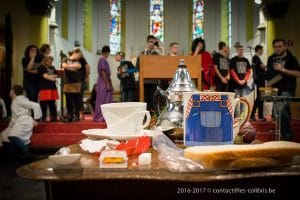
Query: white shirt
x=21, y=123
x=4, y=112
x=22, y=106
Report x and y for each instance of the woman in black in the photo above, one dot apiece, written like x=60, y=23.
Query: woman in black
x=84, y=73
x=48, y=91
x=30, y=65
x=72, y=86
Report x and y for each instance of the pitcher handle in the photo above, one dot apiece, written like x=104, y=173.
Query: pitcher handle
x=243, y=120
x=148, y=119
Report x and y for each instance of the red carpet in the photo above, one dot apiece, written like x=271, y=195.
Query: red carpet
x=53, y=135
x=58, y=134
x=265, y=130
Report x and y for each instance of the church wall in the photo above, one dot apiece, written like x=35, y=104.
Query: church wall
x=21, y=38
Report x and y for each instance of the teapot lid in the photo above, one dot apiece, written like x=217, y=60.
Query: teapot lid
x=182, y=81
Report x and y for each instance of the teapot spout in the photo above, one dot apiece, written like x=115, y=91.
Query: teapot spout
x=161, y=91
x=157, y=95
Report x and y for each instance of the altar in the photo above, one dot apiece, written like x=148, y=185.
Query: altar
x=86, y=180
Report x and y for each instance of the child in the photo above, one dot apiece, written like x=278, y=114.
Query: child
x=16, y=136
x=48, y=91
x=126, y=75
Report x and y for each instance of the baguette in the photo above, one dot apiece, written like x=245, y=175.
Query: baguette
x=241, y=156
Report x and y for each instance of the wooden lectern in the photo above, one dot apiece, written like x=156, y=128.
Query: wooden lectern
x=164, y=67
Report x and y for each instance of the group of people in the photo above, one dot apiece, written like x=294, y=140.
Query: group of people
x=281, y=65
x=219, y=72
x=39, y=81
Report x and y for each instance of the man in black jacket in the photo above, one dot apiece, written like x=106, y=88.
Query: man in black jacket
x=283, y=65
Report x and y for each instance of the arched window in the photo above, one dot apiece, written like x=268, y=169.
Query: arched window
x=115, y=26
x=226, y=22
x=198, y=18
x=157, y=19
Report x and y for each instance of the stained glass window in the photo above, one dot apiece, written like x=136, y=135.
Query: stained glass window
x=198, y=18
x=115, y=26
x=157, y=19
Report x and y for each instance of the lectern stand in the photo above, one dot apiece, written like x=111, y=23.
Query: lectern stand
x=164, y=67
x=280, y=102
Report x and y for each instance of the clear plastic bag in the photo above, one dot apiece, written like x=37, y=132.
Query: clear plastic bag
x=173, y=156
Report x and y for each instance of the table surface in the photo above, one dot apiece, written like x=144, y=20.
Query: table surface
x=87, y=168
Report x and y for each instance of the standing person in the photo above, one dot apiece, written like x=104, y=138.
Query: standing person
x=240, y=71
x=126, y=75
x=208, y=72
x=30, y=64
x=44, y=50
x=150, y=85
x=48, y=91
x=84, y=76
x=284, y=65
x=221, y=61
x=174, y=49
x=17, y=135
x=72, y=86
x=104, y=85
x=258, y=70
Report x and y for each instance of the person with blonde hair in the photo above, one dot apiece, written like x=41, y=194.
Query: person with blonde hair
x=84, y=73
x=48, y=92
x=174, y=49
x=72, y=86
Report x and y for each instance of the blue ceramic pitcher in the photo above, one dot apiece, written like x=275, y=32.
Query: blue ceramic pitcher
x=209, y=118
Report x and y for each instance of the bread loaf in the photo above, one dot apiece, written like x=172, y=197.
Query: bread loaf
x=246, y=155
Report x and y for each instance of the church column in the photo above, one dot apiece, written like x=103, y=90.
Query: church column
x=273, y=31
x=88, y=25
x=39, y=30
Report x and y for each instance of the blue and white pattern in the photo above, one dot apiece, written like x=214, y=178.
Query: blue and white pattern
x=208, y=120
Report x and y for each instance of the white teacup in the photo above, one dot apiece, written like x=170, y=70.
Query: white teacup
x=127, y=117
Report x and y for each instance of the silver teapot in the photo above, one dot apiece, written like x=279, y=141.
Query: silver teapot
x=170, y=120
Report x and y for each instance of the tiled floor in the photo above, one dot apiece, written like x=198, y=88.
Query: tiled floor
x=14, y=187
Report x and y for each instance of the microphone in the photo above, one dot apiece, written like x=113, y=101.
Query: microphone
x=250, y=47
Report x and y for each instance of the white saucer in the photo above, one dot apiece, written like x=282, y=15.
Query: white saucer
x=65, y=159
x=109, y=134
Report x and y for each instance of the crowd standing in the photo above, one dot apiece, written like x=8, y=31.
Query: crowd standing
x=219, y=73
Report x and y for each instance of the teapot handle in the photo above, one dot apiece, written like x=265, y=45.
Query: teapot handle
x=148, y=119
x=247, y=111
